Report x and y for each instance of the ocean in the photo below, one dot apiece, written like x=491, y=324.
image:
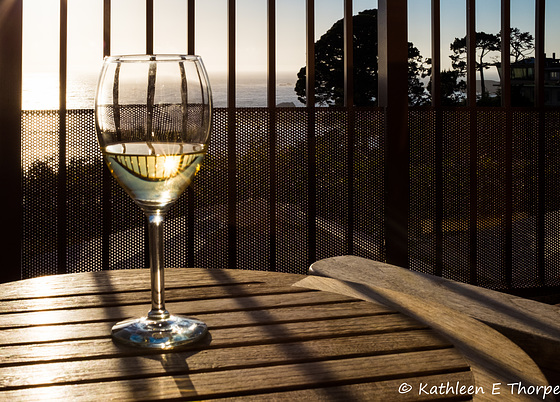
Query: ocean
x=40, y=90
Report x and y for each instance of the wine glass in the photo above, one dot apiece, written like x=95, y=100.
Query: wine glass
x=153, y=115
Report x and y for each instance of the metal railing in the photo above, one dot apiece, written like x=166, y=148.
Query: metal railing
x=396, y=242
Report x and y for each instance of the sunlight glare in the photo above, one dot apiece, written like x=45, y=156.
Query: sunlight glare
x=171, y=165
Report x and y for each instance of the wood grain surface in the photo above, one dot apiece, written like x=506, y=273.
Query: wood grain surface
x=533, y=326
x=268, y=340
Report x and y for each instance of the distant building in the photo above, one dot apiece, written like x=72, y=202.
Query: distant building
x=523, y=81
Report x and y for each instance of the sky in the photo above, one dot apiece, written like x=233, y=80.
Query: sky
x=41, y=30
x=488, y=19
x=128, y=31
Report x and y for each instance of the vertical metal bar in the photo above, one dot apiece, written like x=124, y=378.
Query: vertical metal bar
x=311, y=146
x=349, y=104
x=436, y=53
x=232, y=145
x=107, y=181
x=271, y=103
x=539, y=53
x=505, y=54
x=506, y=103
x=438, y=137
x=393, y=96
x=149, y=50
x=539, y=104
x=150, y=95
x=471, y=101
x=149, y=26
x=190, y=192
x=190, y=26
x=271, y=54
x=106, y=27
x=348, y=54
x=62, y=241
x=471, y=53
x=10, y=140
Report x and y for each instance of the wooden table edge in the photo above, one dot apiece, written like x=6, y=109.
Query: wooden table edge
x=494, y=359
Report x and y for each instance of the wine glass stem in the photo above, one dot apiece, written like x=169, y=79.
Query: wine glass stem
x=155, y=241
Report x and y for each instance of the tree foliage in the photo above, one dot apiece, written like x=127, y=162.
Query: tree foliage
x=521, y=44
x=452, y=88
x=417, y=69
x=485, y=44
x=329, y=65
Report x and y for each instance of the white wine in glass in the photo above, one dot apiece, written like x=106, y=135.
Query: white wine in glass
x=153, y=115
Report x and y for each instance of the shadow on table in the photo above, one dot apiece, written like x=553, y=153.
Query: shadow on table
x=174, y=363
x=176, y=366
x=318, y=377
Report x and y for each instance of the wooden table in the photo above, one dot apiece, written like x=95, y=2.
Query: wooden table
x=268, y=340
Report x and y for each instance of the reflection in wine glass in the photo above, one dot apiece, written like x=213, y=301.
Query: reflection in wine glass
x=153, y=115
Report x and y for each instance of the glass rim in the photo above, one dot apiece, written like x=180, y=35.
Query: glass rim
x=134, y=58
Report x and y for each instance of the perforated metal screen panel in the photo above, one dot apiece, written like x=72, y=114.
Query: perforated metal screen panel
x=292, y=173
x=490, y=212
x=39, y=159
x=210, y=234
x=332, y=182
x=456, y=195
x=369, y=188
x=252, y=133
x=491, y=202
x=525, y=192
x=271, y=188
x=422, y=190
x=551, y=126
x=261, y=219
x=83, y=192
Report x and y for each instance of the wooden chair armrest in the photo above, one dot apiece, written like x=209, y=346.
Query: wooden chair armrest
x=532, y=325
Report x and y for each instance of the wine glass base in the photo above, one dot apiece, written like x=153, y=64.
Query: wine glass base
x=170, y=333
